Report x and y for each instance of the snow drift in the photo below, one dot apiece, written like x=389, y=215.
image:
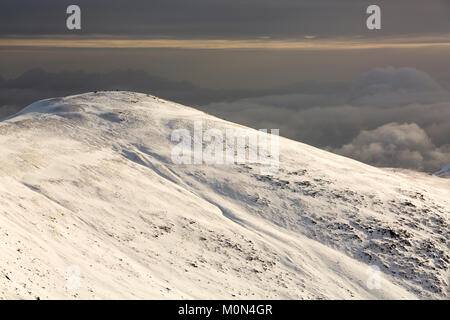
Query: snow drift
x=91, y=206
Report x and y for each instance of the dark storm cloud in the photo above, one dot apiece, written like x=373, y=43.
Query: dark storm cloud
x=229, y=19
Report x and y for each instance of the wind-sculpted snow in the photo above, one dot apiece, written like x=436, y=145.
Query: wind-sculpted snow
x=92, y=206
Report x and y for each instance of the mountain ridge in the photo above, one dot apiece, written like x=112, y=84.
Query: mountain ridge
x=88, y=184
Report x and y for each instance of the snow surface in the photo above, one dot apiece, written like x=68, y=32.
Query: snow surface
x=87, y=184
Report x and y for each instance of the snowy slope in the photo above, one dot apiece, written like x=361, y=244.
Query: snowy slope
x=91, y=206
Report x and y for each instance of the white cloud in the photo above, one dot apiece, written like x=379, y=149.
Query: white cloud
x=380, y=97
x=392, y=144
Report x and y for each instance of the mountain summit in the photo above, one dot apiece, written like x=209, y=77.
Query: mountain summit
x=92, y=206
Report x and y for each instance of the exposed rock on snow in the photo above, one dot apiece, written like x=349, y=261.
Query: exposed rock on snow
x=91, y=206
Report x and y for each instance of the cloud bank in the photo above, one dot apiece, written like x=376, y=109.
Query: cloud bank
x=387, y=87
x=392, y=144
x=384, y=107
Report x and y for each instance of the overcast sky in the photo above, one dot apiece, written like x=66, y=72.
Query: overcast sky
x=296, y=65
x=225, y=19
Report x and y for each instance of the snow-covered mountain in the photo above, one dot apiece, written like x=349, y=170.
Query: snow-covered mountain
x=92, y=206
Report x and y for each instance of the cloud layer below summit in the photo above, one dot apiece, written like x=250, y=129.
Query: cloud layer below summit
x=395, y=117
